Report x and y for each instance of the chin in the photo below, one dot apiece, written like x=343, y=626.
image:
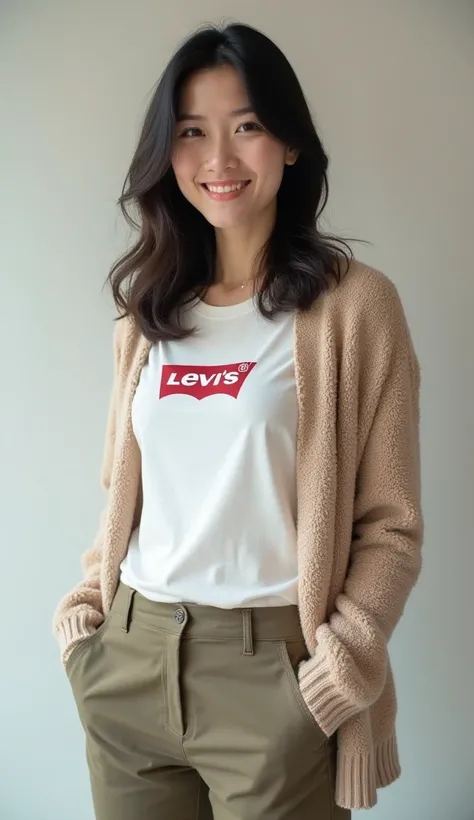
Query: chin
x=226, y=221
x=227, y=224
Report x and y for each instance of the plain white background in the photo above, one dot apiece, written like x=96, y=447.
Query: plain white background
x=391, y=87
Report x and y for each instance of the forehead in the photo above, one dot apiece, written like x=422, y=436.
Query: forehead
x=213, y=91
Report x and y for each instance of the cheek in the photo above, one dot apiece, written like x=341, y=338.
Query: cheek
x=184, y=166
x=268, y=162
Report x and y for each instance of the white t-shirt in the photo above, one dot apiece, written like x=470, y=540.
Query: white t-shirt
x=215, y=417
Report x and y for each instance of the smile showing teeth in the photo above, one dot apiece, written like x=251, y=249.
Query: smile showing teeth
x=225, y=189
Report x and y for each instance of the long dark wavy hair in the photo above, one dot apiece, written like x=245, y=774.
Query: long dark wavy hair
x=173, y=259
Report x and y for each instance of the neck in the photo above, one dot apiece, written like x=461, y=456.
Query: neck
x=237, y=251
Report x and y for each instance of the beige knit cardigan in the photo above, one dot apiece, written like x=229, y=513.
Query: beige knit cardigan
x=359, y=521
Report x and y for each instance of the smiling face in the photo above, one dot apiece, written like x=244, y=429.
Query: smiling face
x=226, y=164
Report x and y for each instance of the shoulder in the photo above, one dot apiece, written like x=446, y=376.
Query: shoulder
x=127, y=343
x=362, y=321
x=126, y=335
x=365, y=301
x=365, y=292
x=373, y=320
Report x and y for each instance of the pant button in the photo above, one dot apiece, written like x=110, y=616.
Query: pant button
x=179, y=616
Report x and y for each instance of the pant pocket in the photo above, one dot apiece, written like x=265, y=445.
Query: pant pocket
x=84, y=645
x=292, y=653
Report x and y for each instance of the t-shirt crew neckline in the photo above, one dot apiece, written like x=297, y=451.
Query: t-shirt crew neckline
x=225, y=311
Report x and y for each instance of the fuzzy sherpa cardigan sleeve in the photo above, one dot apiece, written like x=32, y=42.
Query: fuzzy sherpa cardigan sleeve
x=86, y=599
x=348, y=670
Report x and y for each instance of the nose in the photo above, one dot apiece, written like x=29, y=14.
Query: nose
x=221, y=156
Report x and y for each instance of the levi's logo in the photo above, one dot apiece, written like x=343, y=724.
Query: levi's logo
x=201, y=381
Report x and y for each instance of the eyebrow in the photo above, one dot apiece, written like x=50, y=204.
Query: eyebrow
x=248, y=109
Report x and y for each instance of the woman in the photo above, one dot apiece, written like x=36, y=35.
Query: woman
x=227, y=648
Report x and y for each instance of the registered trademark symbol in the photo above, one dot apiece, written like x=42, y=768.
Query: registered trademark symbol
x=243, y=367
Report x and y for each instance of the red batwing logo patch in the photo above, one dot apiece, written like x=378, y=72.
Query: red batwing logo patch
x=201, y=381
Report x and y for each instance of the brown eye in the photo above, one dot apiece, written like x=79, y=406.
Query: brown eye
x=191, y=132
x=249, y=126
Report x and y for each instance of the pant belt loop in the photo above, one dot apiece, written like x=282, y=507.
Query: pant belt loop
x=247, y=632
x=127, y=613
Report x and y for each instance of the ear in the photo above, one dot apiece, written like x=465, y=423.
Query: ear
x=291, y=156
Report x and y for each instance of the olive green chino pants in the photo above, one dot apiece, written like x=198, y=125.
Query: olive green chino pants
x=194, y=713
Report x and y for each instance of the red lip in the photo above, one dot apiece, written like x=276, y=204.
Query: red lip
x=228, y=196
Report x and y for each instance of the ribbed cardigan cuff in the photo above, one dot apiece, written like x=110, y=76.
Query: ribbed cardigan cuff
x=359, y=776
x=73, y=630
x=329, y=707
